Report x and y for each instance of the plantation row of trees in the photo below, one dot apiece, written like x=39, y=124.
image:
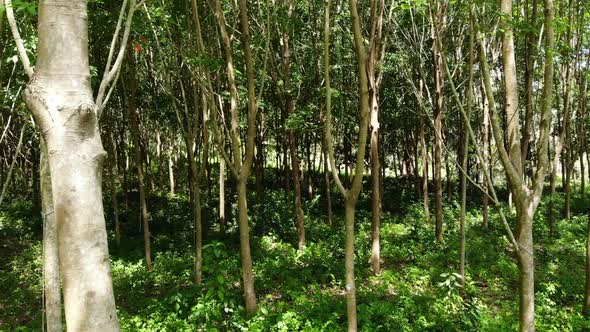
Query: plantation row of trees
x=208, y=98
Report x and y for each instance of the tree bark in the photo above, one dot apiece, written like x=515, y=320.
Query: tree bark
x=438, y=110
x=133, y=113
x=247, y=275
x=372, y=64
x=112, y=175
x=293, y=141
x=465, y=150
x=486, y=157
x=222, y=222
x=241, y=168
x=50, y=248
x=587, y=284
x=526, y=268
x=510, y=86
x=424, y=147
x=171, y=169
x=526, y=198
x=60, y=97
x=327, y=185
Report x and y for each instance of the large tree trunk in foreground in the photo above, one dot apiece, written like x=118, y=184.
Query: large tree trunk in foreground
x=60, y=97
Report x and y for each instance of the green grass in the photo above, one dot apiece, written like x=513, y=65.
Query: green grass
x=302, y=290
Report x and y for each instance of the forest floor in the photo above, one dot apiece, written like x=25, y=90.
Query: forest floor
x=303, y=289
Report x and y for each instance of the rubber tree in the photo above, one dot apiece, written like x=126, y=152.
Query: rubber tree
x=438, y=22
x=289, y=106
x=240, y=168
x=60, y=97
x=526, y=197
x=373, y=62
x=350, y=195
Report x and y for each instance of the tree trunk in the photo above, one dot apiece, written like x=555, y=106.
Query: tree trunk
x=69, y=125
x=222, y=223
x=112, y=175
x=375, y=185
x=293, y=141
x=133, y=113
x=486, y=157
x=438, y=110
x=171, y=168
x=587, y=286
x=526, y=269
x=372, y=63
x=50, y=248
x=241, y=168
x=465, y=151
x=349, y=211
x=529, y=76
x=328, y=186
x=35, y=181
x=247, y=275
x=425, y=198
x=196, y=195
x=297, y=190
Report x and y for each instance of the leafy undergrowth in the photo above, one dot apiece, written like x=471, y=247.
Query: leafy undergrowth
x=302, y=290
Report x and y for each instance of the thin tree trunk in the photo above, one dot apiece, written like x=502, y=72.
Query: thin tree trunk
x=133, y=113
x=247, y=275
x=486, y=157
x=439, y=82
x=529, y=75
x=376, y=24
x=587, y=284
x=112, y=175
x=465, y=151
x=424, y=148
x=222, y=222
x=351, y=195
x=526, y=270
x=50, y=248
x=293, y=140
x=526, y=198
x=349, y=211
x=241, y=168
x=171, y=168
x=328, y=185
x=14, y=159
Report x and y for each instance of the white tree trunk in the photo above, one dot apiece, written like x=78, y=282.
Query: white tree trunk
x=60, y=97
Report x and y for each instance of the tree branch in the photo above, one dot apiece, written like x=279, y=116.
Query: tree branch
x=22, y=52
x=111, y=72
x=510, y=169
